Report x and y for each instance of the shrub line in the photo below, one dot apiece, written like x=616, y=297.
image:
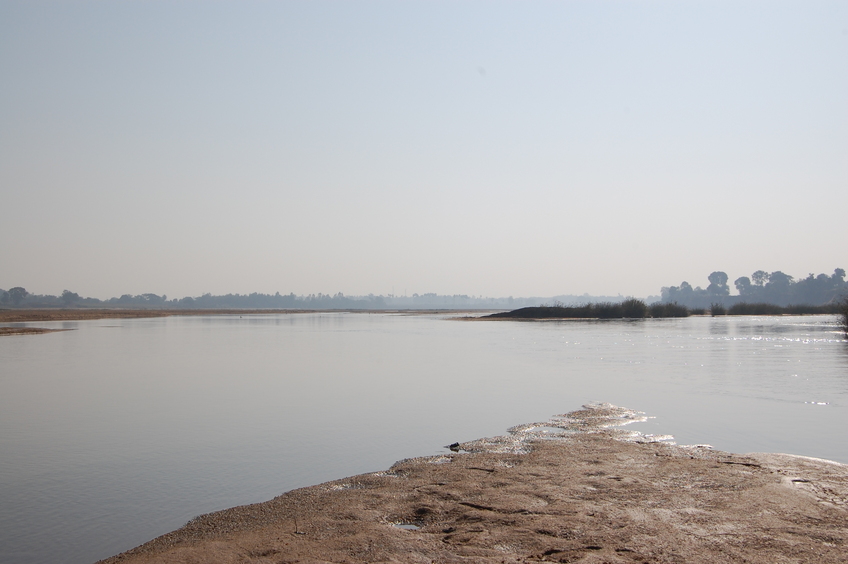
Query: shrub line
x=632, y=308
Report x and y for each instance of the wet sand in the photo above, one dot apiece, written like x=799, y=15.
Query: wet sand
x=573, y=489
x=27, y=330
x=29, y=315
x=36, y=315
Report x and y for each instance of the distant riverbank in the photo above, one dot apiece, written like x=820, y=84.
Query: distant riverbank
x=638, y=309
x=27, y=330
x=37, y=315
x=28, y=315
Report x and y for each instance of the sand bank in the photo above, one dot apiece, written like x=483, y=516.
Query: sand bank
x=24, y=315
x=36, y=315
x=573, y=489
x=29, y=315
x=27, y=330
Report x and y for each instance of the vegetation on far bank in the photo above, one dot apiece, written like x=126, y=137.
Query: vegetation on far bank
x=763, y=293
x=638, y=309
x=630, y=308
x=762, y=287
x=843, y=313
x=19, y=298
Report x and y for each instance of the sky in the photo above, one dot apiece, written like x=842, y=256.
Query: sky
x=480, y=148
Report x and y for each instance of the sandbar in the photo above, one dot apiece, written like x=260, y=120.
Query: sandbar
x=576, y=488
x=82, y=314
x=27, y=330
x=73, y=314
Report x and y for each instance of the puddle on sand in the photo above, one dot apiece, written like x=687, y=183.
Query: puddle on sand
x=406, y=526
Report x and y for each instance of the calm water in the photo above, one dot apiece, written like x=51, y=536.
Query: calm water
x=122, y=430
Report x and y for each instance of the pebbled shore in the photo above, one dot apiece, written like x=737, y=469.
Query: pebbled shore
x=573, y=489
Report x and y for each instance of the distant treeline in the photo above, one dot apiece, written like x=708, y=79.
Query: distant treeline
x=763, y=288
x=19, y=297
x=638, y=309
x=775, y=288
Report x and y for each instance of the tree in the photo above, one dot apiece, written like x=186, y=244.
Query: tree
x=779, y=279
x=70, y=298
x=718, y=284
x=759, y=277
x=17, y=295
x=152, y=299
x=743, y=285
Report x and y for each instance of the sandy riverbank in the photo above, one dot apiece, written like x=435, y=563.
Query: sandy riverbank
x=29, y=315
x=27, y=330
x=38, y=315
x=592, y=494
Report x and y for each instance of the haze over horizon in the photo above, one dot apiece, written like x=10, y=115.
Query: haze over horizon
x=480, y=148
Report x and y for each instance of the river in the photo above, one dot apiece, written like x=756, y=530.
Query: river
x=118, y=431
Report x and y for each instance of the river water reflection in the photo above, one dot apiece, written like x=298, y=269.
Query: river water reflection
x=121, y=430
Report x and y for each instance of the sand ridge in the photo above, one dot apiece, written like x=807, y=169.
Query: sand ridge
x=5, y=331
x=82, y=314
x=574, y=489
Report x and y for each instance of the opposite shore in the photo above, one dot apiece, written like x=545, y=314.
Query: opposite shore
x=30, y=315
x=542, y=313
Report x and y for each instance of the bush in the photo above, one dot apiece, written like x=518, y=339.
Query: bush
x=637, y=309
x=606, y=310
x=673, y=309
x=755, y=309
x=772, y=309
x=804, y=309
x=631, y=308
x=634, y=309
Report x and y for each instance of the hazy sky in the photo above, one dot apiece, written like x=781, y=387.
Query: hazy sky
x=494, y=148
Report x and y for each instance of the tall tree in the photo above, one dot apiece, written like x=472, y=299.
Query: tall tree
x=70, y=298
x=759, y=278
x=743, y=285
x=779, y=279
x=718, y=284
x=17, y=295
